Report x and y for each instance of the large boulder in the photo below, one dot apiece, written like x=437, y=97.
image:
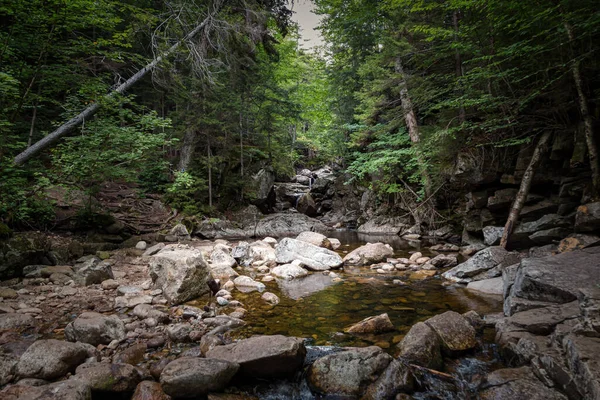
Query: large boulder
x=377, y=324
x=222, y=263
x=289, y=271
x=488, y=286
x=306, y=205
x=180, y=272
x=51, y=359
x=103, y=377
x=313, y=257
x=371, y=253
x=148, y=390
x=318, y=239
x=263, y=181
x=587, y=218
x=516, y=383
x=486, y=264
x=455, y=332
x=95, y=329
x=193, y=377
x=384, y=225
x=92, y=271
x=286, y=224
x=349, y=372
x=264, y=357
x=421, y=346
x=397, y=378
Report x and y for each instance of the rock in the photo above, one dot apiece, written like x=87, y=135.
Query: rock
x=444, y=261
x=8, y=364
x=492, y=235
x=109, y=284
x=299, y=288
x=180, y=272
x=71, y=389
x=501, y=200
x=315, y=238
x=51, y=359
x=92, y=271
x=384, y=225
x=95, y=329
x=371, y=253
x=335, y=243
x=446, y=247
x=179, y=332
x=150, y=251
x=141, y=245
x=378, y=324
x=488, y=286
x=286, y=224
x=246, y=284
x=180, y=232
x=270, y=298
x=549, y=235
x=20, y=250
x=421, y=346
x=132, y=300
x=306, y=205
x=397, y=378
x=8, y=293
x=262, y=182
x=313, y=257
x=264, y=357
x=577, y=241
x=132, y=355
x=209, y=342
x=16, y=322
x=192, y=377
x=349, y=372
x=454, y=331
x=102, y=377
x=148, y=390
x=289, y=271
x=582, y=359
x=46, y=272
x=587, y=218
x=222, y=263
x=487, y=259
x=516, y=383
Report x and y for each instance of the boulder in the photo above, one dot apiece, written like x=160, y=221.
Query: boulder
x=516, y=383
x=397, y=378
x=148, y=390
x=264, y=357
x=492, y=258
x=263, y=181
x=180, y=272
x=71, y=389
x=95, y=329
x=51, y=359
x=455, y=332
x=587, y=218
x=371, y=253
x=384, y=225
x=313, y=257
x=378, y=324
x=421, y=346
x=92, y=271
x=577, y=241
x=192, y=377
x=582, y=359
x=289, y=271
x=315, y=238
x=488, y=286
x=444, y=261
x=103, y=377
x=246, y=284
x=222, y=263
x=286, y=224
x=306, y=205
x=28, y=248
x=16, y=322
x=501, y=200
x=349, y=372
x=178, y=232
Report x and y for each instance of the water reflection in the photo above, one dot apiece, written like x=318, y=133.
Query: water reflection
x=303, y=287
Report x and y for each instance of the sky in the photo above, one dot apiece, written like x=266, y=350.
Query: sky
x=308, y=22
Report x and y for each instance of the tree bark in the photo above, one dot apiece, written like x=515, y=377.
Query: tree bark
x=187, y=149
x=458, y=65
x=91, y=110
x=515, y=212
x=412, y=124
x=587, y=118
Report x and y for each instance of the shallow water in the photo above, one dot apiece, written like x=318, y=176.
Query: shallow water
x=319, y=308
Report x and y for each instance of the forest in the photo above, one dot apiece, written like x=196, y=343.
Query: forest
x=188, y=99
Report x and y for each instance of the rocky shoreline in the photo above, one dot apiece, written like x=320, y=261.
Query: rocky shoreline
x=120, y=326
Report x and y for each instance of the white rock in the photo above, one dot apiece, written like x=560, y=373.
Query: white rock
x=141, y=245
x=289, y=271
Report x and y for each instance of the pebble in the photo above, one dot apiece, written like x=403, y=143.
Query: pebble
x=222, y=301
x=141, y=245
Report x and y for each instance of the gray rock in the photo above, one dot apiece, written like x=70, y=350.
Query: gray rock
x=143, y=311
x=246, y=284
x=180, y=272
x=71, y=389
x=487, y=259
x=501, y=200
x=92, y=271
x=315, y=238
x=264, y=357
x=102, y=377
x=51, y=359
x=95, y=329
x=516, y=383
x=270, y=298
x=303, y=287
x=492, y=235
x=286, y=224
x=306, y=205
x=147, y=390
x=455, y=332
x=488, y=286
x=377, y=324
x=180, y=232
x=141, y=245
x=371, y=253
x=347, y=373
x=335, y=243
x=422, y=346
x=577, y=241
x=132, y=300
x=313, y=257
x=222, y=263
x=8, y=366
x=587, y=218
x=444, y=261
x=289, y=271
x=384, y=225
x=16, y=322
x=263, y=183
x=582, y=359
x=179, y=332
x=397, y=378
x=150, y=251
x=191, y=377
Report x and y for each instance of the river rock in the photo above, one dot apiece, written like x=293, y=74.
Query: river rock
x=289, y=271
x=16, y=322
x=384, y=225
x=180, y=272
x=455, y=332
x=378, y=324
x=492, y=235
x=488, y=286
x=245, y=283
x=313, y=257
x=95, y=329
x=71, y=389
x=421, y=346
x=306, y=205
x=444, y=261
x=102, y=377
x=371, y=253
x=264, y=357
x=222, y=263
x=51, y=359
x=92, y=271
x=396, y=379
x=287, y=224
x=349, y=372
x=587, y=218
x=516, y=383
x=192, y=377
x=495, y=258
x=150, y=251
x=143, y=311
x=315, y=238
x=258, y=251
x=148, y=390
x=335, y=243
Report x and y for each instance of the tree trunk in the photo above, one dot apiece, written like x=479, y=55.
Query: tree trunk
x=91, y=110
x=208, y=154
x=587, y=118
x=513, y=217
x=33, y=117
x=187, y=149
x=412, y=125
x=458, y=63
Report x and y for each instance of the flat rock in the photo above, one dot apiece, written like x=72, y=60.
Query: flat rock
x=264, y=356
x=485, y=260
x=71, y=389
x=516, y=383
x=313, y=257
x=488, y=286
x=192, y=377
